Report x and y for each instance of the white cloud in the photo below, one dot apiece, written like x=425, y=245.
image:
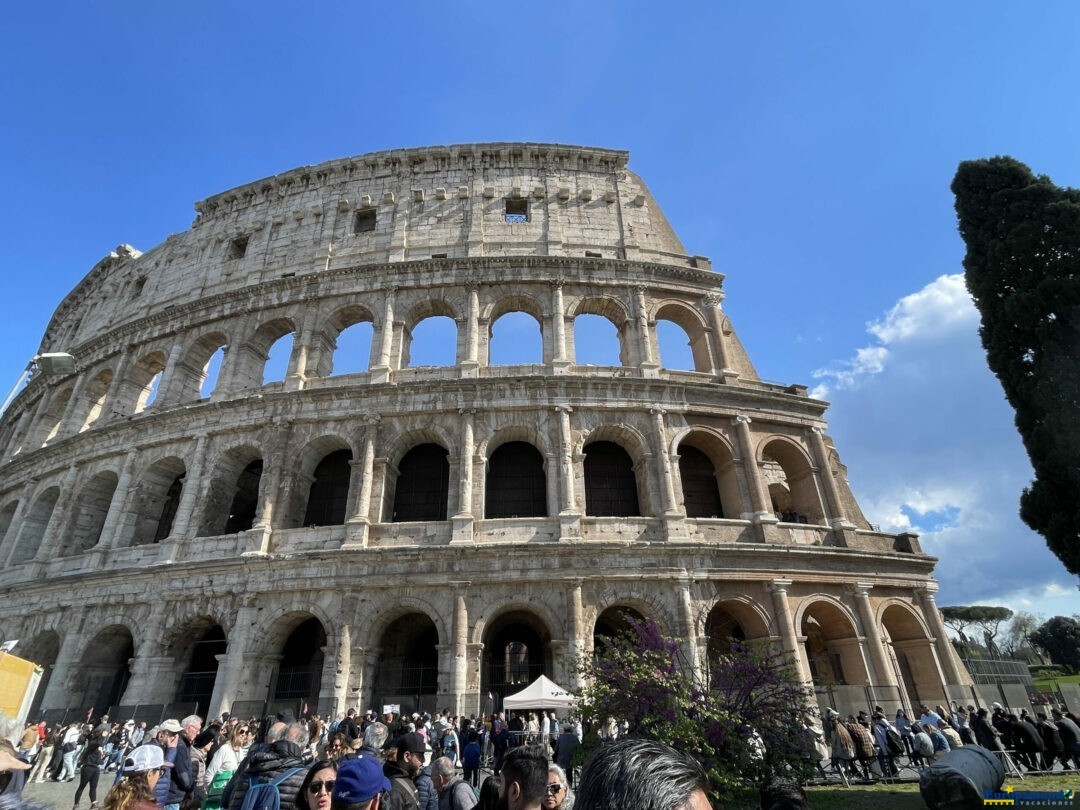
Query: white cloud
x=940, y=308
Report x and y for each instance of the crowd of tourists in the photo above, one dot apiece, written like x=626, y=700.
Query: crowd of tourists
x=866, y=746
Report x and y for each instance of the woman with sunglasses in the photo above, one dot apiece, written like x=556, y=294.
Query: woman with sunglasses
x=134, y=790
x=224, y=762
x=558, y=795
x=318, y=785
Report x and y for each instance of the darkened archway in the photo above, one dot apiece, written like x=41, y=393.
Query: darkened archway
x=517, y=651
x=329, y=495
x=197, y=681
x=408, y=670
x=43, y=650
x=610, y=483
x=701, y=495
x=104, y=670
x=516, y=483
x=300, y=671
x=721, y=630
x=423, y=484
x=614, y=621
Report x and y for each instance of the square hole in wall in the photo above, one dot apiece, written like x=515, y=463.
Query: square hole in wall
x=237, y=248
x=364, y=221
x=517, y=210
x=592, y=254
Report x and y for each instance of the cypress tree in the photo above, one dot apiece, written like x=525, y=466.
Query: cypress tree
x=1023, y=270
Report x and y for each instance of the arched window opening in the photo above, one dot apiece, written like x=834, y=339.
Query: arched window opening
x=91, y=509
x=674, y=344
x=423, y=484
x=277, y=359
x=613, y=622
x=516, y=482
x=353, y=351
x=7, y=515
x=721, y=630
x=517, y=651
x=43, y=650
x=912, y=656
x=168, y=509
x=596, y=341
x=434, y=342
x=210, y=373
x=610, y=483
x=701, y=495
x=516, y=339
x=409, y=664
x=96, y=392
x=197, y=681
x=791, y=484
x=54, y=416
x=159, y=498
x=245, y=503
x=329, y=494
x=831, y=649
x=300, y=670
x=145, y=377
x=32, y=531
x=104, y=670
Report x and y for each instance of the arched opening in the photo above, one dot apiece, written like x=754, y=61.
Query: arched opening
x=832, y=647
x=300, y=669
x=674, y=346
x=433, y=342
x=96, y=392
x=912, y=657
x=614, y=621
x=91, y=509
x=329, y=493
x=53, y=418
x=232, y=499
x=145, y=376
x=7, y=515
x=408, y=668
x=610, y=483
x=517, y=651
x=597, y=341
x=159, y=491
x=515, y=339
x=701, y=494
x=277, y=359
x=516, y=482
x=32, y=531
x=681, y=338
x=196, y=375
x=722, y=629
x=352, y=352
x=211, y=372
x=423, y=484
x=43, y=650
x=197, y=681
x=104, y=670
x=792, y=488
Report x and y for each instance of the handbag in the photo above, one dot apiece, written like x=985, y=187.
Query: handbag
x=216, y=788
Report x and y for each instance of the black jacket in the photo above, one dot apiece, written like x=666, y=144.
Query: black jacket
x=403, y=795
x=269, y=764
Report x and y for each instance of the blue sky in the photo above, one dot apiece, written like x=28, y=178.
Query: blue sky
x=807, y=148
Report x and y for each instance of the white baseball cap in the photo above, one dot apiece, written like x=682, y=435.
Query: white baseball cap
x=146, y=758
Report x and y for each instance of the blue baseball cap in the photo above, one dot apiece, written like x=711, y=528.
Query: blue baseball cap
x=358, y=780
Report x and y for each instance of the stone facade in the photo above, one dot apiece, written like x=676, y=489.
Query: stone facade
x=428, y=535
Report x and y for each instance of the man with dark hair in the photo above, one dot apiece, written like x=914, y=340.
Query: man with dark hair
x=524, y=778
x=411, y=750
x=359, y=785
x=634, y=774
x=348, y=726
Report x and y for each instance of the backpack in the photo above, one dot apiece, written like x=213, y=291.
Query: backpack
x=264, y=795
x=895, y=741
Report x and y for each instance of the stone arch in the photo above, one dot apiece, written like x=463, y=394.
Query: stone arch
x=232, y=494
x=341, y=319
x=691, y=322
x=647, y=604
x=831, y=642
x=53, y=417
x=194, y=645
x=143, y=380
x=517, y=650
x=377, y=627
x=323, y=479
x=7, y=516
x=525, y=341
x=36, y=521
x=619, y=453
x=43, y=649
x=911, y=651
x=791, y=478
x=192, y=370
x=514, y=433
x=91, y=509
x=94, y=396
x=730, y=617
x=421, y=486
x=699, y=498
x=515, y=483
x=157, y=500
x=423, y=311
x=610, y=309
x=249, y=362
x=103, y=669
x=407, y=671
x=297, y=637
x=613, y=621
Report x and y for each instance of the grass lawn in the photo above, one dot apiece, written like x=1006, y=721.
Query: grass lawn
x=906, y=796
x=1046, y=684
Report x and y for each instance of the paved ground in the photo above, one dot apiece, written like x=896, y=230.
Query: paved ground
x=61, y=795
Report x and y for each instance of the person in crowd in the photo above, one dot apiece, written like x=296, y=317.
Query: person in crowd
x=225, y=761
x=559, y=795
x=841, y=746
x=470, y=760
x=566, y=746
x=1052, y=744
x=903, y=725
x=200, y=749
x=985, y=734
x=92, y=761
x=454, y=792
x=963, y=726
x=360, y=785
x=139, y=774
x=71, y=745
x=282, y=756
x=317, y=789
x=410, y=751
x=887, y=753
x=450, y=745
x=425, y=788
x=632, y=774
x=938, y=740
x=865, y=753
x=1029, y=744
x=922, y=747
x=44, y=757
x=374, y=740
x=926, y=716
x=1070, y=738
x=489, y=794
x=524, y=778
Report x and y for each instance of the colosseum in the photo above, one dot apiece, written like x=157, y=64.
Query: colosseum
x=186, y=524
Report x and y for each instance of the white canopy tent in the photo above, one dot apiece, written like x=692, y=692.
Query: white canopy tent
x=540, y=694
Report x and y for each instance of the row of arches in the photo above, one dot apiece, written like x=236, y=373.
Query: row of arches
x=411, y=654
x=517, y=480
x=516, y=329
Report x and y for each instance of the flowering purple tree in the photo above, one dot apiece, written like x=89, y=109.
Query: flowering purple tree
x=640, y=678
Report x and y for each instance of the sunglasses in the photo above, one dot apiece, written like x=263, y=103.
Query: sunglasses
x=554, y=789
x=317, y=787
